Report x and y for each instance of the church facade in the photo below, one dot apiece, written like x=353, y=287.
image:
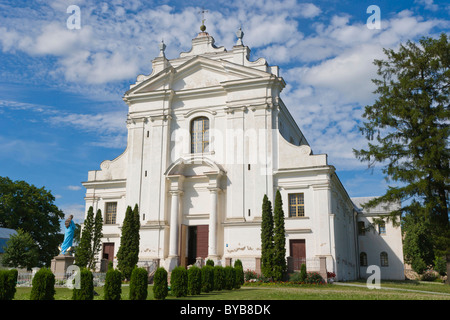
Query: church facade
x=208, y=137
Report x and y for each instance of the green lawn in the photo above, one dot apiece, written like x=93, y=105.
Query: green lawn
x=389, y=291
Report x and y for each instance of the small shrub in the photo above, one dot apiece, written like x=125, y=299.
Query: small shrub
x=179, y=282
x=86, y=291
x=303, y=273
x=139, y=284
x=160, y=286
x=239, y=281
x=429, y=276
x=210, y=262
x=418, y=265
x=238, y=263
x=207, y=278
x=440, y=266
x=218, y=278
x=314, y=278
x=194, y=280
x=113, y=285
x=8, y=280
x=43, y=285
x=230, y=277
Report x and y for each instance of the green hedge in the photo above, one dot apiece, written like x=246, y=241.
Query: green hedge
x=194, y=280
x=230, y=277
x=179, y=282
x=113, y=285
x=239, y=281
x=139, y=284
x=86, y=291
x=160, y=286
x=43, y=285
x=8, y=280
x=218, y=278
x=207, y=278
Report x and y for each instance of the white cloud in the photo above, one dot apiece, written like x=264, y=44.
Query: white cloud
x=74, y=188
x=75, y=209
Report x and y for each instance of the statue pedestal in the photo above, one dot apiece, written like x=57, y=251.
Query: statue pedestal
x=60, y=264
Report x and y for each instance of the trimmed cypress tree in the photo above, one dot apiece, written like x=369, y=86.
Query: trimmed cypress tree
x=160, y=286
x=97, y=236
x=267, y=238
x=229, y=277
x=139, y=284
x=239, y=272
x=218, y=278
x=279, y=240
x=207, y=278
x=179, y=282
x=194, y=280
x=86, y=291
x=128, y=254
x=8, y=280
x=43, y=285
x=84, y=250
x=113, y=285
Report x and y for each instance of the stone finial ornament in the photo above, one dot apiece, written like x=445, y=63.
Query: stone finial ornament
x=240, y=35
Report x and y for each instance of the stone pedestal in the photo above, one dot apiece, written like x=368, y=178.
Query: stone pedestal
x=60, y=264
x=323, y=267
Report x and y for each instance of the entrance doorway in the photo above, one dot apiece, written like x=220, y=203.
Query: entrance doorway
x=297, y=252
x=197, y=243
x=108, y=251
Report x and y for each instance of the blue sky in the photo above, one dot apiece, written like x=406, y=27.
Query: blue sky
x=61, y=108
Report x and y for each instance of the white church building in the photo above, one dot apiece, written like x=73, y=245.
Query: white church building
x=208, y=137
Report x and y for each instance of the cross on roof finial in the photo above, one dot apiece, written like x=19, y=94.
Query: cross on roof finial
x=203, y=27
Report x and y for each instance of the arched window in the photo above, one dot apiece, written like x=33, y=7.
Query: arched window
x=200, y=135
x=363, y=259
x=384, y=259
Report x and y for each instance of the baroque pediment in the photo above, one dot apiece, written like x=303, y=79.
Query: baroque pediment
x=198, y=72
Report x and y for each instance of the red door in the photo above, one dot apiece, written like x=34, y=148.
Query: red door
x=298, y=252
x=202, y=241
x=108, y=251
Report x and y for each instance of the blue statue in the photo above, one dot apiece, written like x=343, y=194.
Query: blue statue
x=66, y=246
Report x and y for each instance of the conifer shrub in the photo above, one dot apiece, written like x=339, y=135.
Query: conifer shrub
x=160, y=286
x=207, y=278
x=179, y=282
x=210, y=262
x=8, y=280
x=113, y=285
x=239, y=272
x=43, y=285
x=229, y=277
x=139, y=284
x=194, y=280
x=303, y=273
x=86, y=291
x=218, y=278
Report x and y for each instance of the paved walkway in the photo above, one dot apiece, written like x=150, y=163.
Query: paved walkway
x=388, y=288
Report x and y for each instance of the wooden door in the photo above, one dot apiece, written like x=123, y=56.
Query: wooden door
x=108, y=251
x=202, y=241
x=298, y=252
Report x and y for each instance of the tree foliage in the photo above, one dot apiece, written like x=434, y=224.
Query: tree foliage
x=408, y=132
x=128, y=254
x=20, y=251
x=267, y=248
x=279, y=240
x=24, y=206
x=84, y=249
